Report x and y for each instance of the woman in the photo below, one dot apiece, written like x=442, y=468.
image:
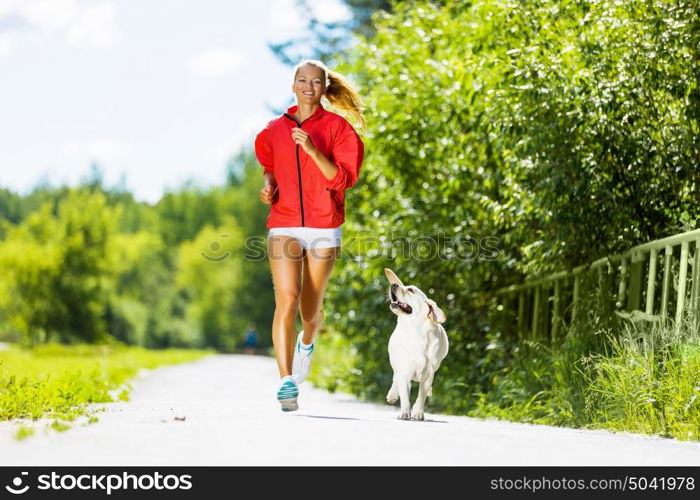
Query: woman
x=310, y=157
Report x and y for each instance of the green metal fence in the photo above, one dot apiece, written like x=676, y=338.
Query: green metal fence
x=539, y=309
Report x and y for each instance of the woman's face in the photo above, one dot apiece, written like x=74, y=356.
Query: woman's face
x=309, y=85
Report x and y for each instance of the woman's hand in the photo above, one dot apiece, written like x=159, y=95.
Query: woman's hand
x=268, y=194
x=303, y=140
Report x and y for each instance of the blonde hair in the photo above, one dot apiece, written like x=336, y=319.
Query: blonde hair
x=339, y=90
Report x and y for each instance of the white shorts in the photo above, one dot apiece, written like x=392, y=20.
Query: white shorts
x=310, y=237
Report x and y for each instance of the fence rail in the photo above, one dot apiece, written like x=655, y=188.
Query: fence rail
x=542, y=307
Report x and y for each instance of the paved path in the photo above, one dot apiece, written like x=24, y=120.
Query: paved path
x=232, y=418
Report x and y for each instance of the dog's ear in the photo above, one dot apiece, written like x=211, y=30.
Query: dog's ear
x=434, y=312
x=392, y=277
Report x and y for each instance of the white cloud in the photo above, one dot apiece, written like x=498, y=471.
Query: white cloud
x=329, y=11
x=244, y=134
x=6, y=6
x=5, y=41
x=286, y=20
x=78, y=24
x=216, y=62
x=94, y=27
x=48, y=16
x=98, y=150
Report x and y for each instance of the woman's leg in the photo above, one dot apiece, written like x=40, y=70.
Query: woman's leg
x=286, y=256
x=318, y=265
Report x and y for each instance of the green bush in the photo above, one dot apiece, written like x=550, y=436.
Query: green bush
x=563, y=131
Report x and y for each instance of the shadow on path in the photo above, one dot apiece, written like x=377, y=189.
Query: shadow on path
x=328, y=418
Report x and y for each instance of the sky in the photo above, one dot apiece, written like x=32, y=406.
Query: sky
x=156, y=92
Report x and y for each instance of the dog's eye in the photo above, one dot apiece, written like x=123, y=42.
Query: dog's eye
x=411, y=290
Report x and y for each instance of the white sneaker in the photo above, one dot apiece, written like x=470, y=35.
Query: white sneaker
x=302, y=360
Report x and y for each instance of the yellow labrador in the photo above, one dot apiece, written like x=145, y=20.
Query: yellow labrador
x=416, y=347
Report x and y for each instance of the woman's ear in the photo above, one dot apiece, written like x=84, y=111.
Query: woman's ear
x=434, y=312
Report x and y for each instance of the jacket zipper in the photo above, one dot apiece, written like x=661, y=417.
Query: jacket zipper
x=301, y=196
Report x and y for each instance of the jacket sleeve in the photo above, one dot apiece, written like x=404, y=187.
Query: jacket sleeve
x=348, y=153
x=263, y=150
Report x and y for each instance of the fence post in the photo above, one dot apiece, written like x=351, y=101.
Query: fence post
x=634, y=293
x=576, y=298
x=546, y=321
x=622, y=288
x=668, y=253
x=521, y=313
x=695, y=302
x=535, y=314
x=651, y=281
x=682, y=281
x=555, y=316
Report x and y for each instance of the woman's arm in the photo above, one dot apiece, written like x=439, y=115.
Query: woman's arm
x=269, y=191
x=348, y=153
x=324, y=164
x=270, y=179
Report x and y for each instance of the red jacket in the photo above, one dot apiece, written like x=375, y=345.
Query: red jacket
x=306, y=197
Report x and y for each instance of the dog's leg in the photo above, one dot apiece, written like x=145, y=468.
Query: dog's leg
x=393, y=394
x=405, y=393
x=424, y=390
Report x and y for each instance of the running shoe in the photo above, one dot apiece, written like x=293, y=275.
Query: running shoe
x=287, y=394
x=301, y=364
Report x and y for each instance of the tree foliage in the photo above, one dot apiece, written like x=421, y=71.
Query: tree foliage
x=566, y=131
x=326, y=40
x=81, y=264
x=56, y=270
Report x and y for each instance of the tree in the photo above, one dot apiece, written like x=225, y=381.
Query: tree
x=327, y=40
x=57, y=270
x=544, y=126
x=257, y=302
x=209, y=273
x=11, y=208
x=183, y=213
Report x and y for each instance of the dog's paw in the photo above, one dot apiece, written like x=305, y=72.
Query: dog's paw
x=392, y=397
x=417, y=415
x=404, y=415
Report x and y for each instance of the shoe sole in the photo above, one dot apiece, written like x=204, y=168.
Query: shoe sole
x=289, y=404
x=288, y=400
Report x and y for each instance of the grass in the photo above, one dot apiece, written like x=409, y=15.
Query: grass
x=645, y=380
x=57, y=381
x=649, y=384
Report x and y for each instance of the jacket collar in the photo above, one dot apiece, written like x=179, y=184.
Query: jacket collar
x=317, y=114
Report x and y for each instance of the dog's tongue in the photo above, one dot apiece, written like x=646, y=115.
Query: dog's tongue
x=405, y=307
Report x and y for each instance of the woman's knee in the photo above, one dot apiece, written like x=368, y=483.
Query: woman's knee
x=287, y=299
x=310, y=314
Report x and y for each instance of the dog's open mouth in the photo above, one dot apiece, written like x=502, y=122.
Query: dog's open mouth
x=402, y=305
x=395, y=302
